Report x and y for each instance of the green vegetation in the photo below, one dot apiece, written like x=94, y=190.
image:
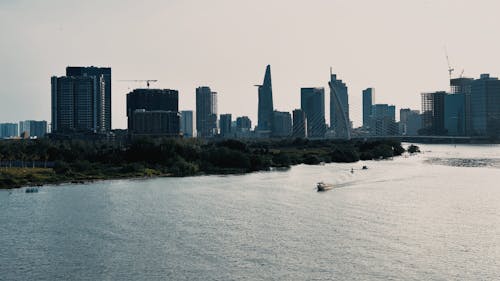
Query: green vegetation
x=77, y=161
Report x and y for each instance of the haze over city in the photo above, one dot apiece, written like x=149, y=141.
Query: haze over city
x=394, y=46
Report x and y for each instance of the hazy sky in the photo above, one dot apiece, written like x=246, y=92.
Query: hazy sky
x=393, y=45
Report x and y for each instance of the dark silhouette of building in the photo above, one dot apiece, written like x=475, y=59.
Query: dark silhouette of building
x=74, y=104
x=159, y=107
x=454, y=114
x=243, y=123
x=206, y=112
x=187, y=123
x=265, y=110
x=368, y=101
x=383, y=120
x=312, y=102
x=282, y=124
x=225, y=125
x=9, y=130
x=339, y=108
x=158, y=123
x=102, y=93
x=299, y=124
x=433, y=114
x=464, y=86
x=485, y=106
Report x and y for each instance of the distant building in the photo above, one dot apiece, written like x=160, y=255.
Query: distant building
x=282, y=124
x=339, y=108
x=312, y=102
x=206, y=112
x=383, y=120
x=454, y=114
x=158, y=123
x=102, y=98
x=299, y=124
x=433, y=114
x=158, y=106
x=265, y=109
x=410, y=122
x=187, y=123
x=464, y=86
x=74, y=104
x=9, y=130
x=243, y=123
x=368, y=101
x=485, y=106
x=225, y=125
x=33, y=129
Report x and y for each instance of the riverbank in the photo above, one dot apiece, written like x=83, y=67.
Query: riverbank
x=77, y=161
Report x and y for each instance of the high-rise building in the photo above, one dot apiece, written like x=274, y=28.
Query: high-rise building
x=187, y=123
x=159, y=123
x=299, y=124
x=454, y=114
x=433, y=114
x=243, y=123
x=265, y=110
x=485, y=106
x=153, y=112
x=413, y=123
x=282, y=124
x=206, y=112
x=368, y=101
x=464, y=86
x=102, y=93
x=225, y=125
x=312, y=102
x=34, y=129
x=9, y=130
x=339, y=108
x=74, y=104
x=383, y=120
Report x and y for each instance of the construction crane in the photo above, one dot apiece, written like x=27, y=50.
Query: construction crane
x=148, y=81
x=450, y=69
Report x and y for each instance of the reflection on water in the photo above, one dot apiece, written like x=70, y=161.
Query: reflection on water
x=434, y=216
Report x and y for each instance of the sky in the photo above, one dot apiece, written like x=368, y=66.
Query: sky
x=397, y=47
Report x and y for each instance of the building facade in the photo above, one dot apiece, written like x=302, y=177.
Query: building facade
x=454, y=114
x=9, y=130
x=225, y=124
x=187, y=123
x=32, y=128
x=299, y=124
x=312, y=103
x=368, y=101
x=160, y=107
x=282, y=124
x=206, y=112
x=433, y=114
x=383, y=120
x=464, y=86
x=265, y=108
x=485, y=106
x=339, y=108
x=102, y=76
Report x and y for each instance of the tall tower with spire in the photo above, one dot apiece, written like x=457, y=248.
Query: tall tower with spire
x=265, y=110
x=339, y=107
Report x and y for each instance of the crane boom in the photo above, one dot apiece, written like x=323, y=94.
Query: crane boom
x=148, y=81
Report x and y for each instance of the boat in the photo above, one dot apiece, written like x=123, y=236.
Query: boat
x=324, y=186
x=365, y=168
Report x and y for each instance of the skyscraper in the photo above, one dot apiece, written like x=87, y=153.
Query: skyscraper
x=102, y=96
x=187, y=123
x=368, y=100
x=433, y=113
x=464, y=86
x=299, y=124
x=206, y=112
x=383, y=120
x=74, y=105
x=454, y=114
x=243, y=124
x=9, y=130
x=339, y=108
x=225, y=125
x=265, y=110
x=312, y=102
x=153, y=112
x=485, y=106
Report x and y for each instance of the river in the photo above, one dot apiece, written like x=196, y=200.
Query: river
x=434, y=216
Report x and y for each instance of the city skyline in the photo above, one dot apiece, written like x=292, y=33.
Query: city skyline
x=390, y=58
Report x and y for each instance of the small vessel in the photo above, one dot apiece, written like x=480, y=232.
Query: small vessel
x=352, y=170
x=365, y=168
x=31, y=190
x=324, y=186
